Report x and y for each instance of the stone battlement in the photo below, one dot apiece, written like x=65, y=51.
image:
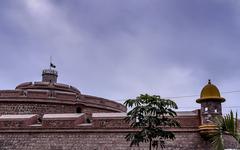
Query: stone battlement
x=78, y=121
x=49, y=71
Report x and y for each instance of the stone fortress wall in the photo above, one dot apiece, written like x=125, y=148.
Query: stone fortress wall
x=51, y=116
x=34, y=101
x=105, y=132
x=70, y=131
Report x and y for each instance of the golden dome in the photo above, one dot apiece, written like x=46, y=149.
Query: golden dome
x=210, y=92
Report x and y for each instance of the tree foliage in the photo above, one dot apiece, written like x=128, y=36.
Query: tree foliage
x=150, y=114
x=225, y=125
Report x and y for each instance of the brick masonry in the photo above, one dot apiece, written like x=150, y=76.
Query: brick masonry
x=93, y=141
x=90, y=141
x=53, y=116
x=35, y=108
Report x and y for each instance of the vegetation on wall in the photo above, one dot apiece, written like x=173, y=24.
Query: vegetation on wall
x=227, y=124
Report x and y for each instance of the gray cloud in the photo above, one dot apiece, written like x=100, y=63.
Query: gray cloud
x=119, y=49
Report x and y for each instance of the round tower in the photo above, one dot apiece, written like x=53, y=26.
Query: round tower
x=49, y=75
x=210, y=100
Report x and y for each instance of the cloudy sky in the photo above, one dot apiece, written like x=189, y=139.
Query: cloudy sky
x=118, y=49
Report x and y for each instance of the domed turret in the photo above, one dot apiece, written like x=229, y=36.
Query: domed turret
x=210, y=100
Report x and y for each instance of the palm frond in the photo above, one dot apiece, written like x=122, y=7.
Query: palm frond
x=227, y=124
x=217, y=141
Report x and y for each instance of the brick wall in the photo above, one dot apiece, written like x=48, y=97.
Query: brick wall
x=37, y=101
x=90, y=141
x=98, y=136
x=35, y=108
x=95, y=141
x=44, y=108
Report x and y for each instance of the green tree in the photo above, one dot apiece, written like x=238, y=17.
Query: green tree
x=225, y=125
x=150, y=114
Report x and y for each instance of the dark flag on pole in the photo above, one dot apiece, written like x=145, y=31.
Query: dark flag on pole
x=52, y=65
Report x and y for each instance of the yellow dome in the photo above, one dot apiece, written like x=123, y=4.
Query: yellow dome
x=210, y=92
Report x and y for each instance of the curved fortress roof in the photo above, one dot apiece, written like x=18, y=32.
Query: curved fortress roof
x=48, y=93
x=48, y=86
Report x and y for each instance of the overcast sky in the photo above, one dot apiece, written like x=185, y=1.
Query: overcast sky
x=118, y=49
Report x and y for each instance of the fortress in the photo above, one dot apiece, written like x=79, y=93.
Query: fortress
x=48, y=115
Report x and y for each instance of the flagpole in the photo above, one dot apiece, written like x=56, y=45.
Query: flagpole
x=50, y=62
x=52, y=66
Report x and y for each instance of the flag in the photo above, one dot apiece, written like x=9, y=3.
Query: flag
x=52, y=65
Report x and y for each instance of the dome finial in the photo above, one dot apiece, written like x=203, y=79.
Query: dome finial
x=209, y=81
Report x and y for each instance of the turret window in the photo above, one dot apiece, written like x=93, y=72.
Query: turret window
x=206, y=109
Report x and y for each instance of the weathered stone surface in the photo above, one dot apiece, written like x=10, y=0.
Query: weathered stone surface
x=54, y=116
x=91, y=141
x=65, y=140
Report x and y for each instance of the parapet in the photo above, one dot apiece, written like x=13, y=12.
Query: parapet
x=81, y=121
x=17, y=121
x=62, y=120
x=109, y=120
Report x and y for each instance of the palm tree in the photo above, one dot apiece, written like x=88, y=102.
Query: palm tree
x=225, y=125
x=149, y=115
